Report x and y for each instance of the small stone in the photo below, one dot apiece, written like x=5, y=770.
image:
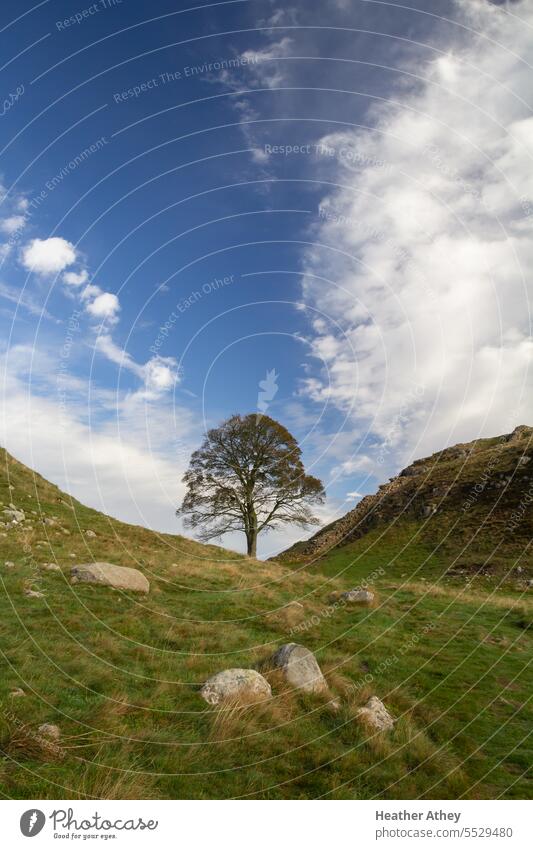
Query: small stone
x=51, y=567
x=358, y=597
x=300, y=668
x=376, y=715
x=90, y=534
x=232, y=683
x=9, y=564
x=16, y=693
x=33, y=593
x=52, y=732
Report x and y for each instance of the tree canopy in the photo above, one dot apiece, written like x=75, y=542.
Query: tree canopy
x=248, y=476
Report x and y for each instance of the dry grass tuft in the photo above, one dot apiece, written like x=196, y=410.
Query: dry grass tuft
x=20, y=742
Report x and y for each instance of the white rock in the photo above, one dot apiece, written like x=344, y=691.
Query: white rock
x=376, y=715
x=90, y=534
x=358, y=597
x=9, y=564
x=33, y=593
x=232, y=683
x=300, y=668
x=109, y=575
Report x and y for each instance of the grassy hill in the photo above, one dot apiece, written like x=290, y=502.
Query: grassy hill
x=466, y=510
x=119, y=673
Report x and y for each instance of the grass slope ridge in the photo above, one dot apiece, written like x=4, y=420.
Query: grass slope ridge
x=120, y=674
x=478, y=493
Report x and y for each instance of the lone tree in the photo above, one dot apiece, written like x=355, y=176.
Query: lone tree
x=248, y=476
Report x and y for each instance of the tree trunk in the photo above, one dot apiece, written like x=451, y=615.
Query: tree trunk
x=251, y=541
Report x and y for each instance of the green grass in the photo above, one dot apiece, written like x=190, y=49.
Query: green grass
x=119, y=673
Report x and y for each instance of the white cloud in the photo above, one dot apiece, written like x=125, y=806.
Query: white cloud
x=123, y=460
x=431, y=248
x=75, y=278
x=12, y=224
x=104, y=306
x=354, y=495
x=158, y=375
x=48, y=256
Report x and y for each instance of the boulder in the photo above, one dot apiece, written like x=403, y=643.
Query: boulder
x=232, y=683
x=109, y=575
x=90, y=534
x=300, y=668
x=14, y=515
x=375, y=715
x=357, y=597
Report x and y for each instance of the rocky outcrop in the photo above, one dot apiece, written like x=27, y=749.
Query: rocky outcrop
x=460, y=485
x=300, y=668
x=234, y=684
x=109, y=575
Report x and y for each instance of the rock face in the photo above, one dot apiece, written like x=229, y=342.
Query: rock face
x=300, y=668
x=375, y=715
x=109, y=575
x=358, y=597
x=232, y=683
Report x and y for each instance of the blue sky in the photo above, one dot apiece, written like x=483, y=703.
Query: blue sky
x=340, y=192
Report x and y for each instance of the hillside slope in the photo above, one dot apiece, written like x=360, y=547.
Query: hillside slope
x=119, y=673
x=474, y=495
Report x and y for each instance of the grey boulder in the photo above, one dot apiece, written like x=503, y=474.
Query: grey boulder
x=230, y=684
x=300, y=668
x=109, y=575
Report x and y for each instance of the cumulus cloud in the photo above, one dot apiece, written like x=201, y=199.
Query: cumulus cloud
x=104, y=306
x=99, y=304
x=75, y=278
x=48, y=256
x=430, y=247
